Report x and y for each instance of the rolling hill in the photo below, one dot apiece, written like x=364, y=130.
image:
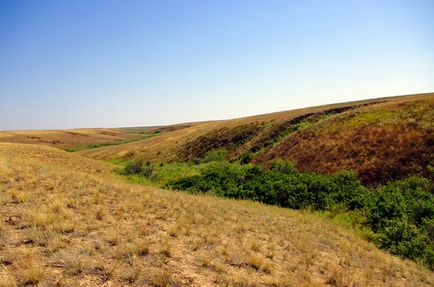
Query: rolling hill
x=382, y=139
x=68, y=221
x=81, y=139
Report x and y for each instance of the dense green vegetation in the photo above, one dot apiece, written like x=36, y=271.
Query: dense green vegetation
x=398, y=216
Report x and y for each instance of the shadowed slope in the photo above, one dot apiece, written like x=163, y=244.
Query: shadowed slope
x=68, y=224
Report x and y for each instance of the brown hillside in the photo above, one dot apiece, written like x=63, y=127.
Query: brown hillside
x=388, y=141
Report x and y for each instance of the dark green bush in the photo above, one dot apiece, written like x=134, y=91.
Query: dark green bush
x=282, y=166
x=403, y=238
x=280, y=185
x=246, y=158
x=139, y=167
x=402, y=215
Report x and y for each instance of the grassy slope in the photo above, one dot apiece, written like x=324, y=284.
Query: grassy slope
x=67, y=220
x=382, y=139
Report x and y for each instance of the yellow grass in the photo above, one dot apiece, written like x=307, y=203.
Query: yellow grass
x=69, y=138
x=67, y=221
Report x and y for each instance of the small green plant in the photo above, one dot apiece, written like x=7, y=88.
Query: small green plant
x=139, y=167
x=246, y=158
x=218, y=154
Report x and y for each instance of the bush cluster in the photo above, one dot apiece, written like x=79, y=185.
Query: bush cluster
x=399, y=214
x=139, y=167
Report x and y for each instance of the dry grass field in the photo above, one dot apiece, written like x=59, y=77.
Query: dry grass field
x=66, y=138
x=68, y=221
x=82, y=139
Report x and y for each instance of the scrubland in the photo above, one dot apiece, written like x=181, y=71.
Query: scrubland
x=69, y=221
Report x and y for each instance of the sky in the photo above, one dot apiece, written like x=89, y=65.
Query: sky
x=113, y=63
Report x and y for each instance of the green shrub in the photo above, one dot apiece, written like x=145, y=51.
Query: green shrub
x=385, y=206
x=401, y=213
x=404, y=239
x=282, y=166
x=246, y=158
x=280, y=185
x=139, y=167
x=218, y=154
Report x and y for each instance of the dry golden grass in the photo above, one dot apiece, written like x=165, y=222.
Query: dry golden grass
x=68, y=138
x=66, y=221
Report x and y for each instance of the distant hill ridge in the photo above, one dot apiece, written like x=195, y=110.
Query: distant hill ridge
x=382, y=139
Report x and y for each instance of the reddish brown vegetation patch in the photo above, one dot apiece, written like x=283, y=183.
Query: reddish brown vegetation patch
x=278, y=130
x=379, y=153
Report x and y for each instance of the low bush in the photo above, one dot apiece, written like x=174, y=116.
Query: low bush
x=139, y=167
x=218, y=154
x=279, y=184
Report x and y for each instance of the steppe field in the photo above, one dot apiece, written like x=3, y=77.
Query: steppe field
x=188, y=204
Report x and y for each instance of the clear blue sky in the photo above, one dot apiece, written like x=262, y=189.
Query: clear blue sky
x=104, y=63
